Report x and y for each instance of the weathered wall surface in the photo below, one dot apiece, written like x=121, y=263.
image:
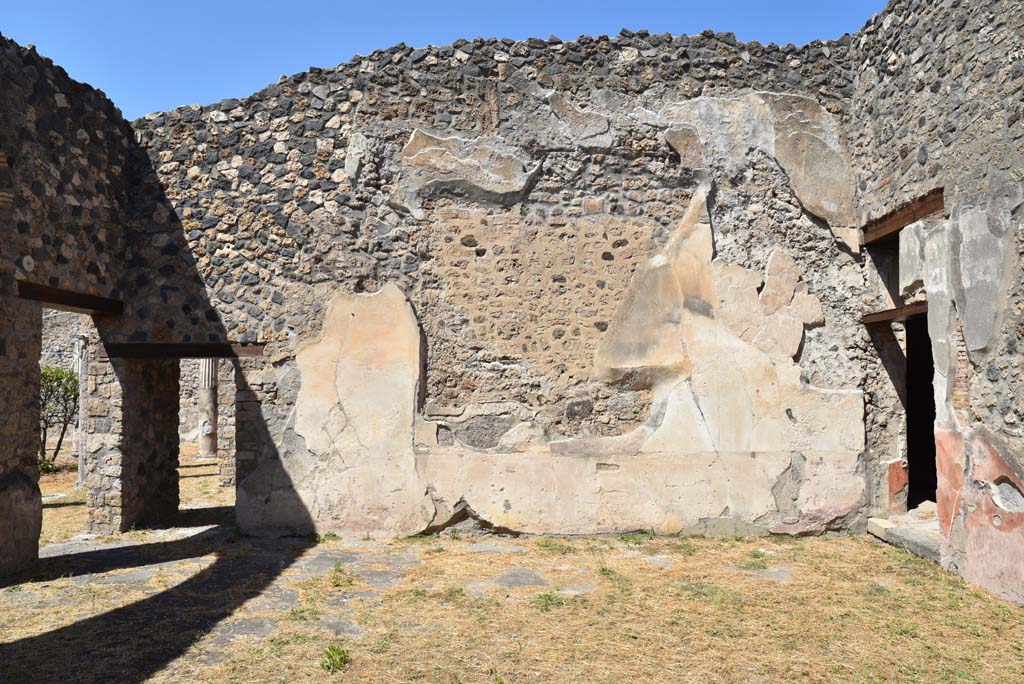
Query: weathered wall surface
x=62, y=150
x=577, y=287
x=937, y=104
x=79, y=212
x=60, y=331
x=533, y=203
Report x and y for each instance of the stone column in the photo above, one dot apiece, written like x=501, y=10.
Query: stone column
x=21, y=508
x=253, y=444
x=131, y=443
x=206, y=397
x=81, y=367
x=226, y=424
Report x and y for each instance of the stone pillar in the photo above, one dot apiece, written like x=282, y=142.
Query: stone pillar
x=226, y=424
x=252, y=439
x=206, y=397
x=21, y=509
x=81, y=367
x=132, y=443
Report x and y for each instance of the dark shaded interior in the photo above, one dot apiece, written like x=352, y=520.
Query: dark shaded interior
x=920, y=413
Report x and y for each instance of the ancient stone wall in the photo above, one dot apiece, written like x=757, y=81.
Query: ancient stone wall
x=63, y=149
x=512, y=200
x=584, y=286
x=937, y=105
x=131, y=469
x=60, y=332
x=80, y=212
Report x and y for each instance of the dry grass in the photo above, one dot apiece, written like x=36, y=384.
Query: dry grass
x=66, y=517
x=198, y=484
x=854, y=611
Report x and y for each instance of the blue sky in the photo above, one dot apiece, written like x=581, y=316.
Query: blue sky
x=153, y=56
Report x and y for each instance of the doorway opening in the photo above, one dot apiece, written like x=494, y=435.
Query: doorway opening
x=920, y=407
x=206, y=438
x=61, y=421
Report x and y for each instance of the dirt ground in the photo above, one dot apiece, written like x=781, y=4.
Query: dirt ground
x=199, y=603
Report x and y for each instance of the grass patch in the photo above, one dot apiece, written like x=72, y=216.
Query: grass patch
x=758, y=561
x=547, y=601
x=684, y=546
x=453, y=592
x=339, y=577
x=636, y=538
x=708, y=592
x=382, y=645
x=303, y=614
x=277, y=646
x=335, y=659
x=555, y=545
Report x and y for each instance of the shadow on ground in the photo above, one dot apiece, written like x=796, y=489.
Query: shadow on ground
x=129, y=644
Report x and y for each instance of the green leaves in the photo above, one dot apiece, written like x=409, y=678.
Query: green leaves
x=58, y=408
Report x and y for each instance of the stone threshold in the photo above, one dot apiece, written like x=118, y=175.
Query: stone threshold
x=917, y=531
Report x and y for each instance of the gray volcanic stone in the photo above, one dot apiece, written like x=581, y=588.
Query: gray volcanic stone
x=378, y=578
x=659, y=561
x=319, y=562
x=774, y=573
x=519, y=577
x=274, y=598
x=340, y=625
x=495, y=546
x=246, y=628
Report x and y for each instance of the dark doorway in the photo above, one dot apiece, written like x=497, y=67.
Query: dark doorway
x=920, y=413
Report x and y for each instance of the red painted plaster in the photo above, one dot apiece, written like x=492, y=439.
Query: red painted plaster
x=995, y=536
x=949, y=465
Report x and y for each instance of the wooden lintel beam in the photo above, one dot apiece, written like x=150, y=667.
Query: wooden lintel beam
x=180, y=350
x=900, y=313
x=66, y=300
x=891, y=224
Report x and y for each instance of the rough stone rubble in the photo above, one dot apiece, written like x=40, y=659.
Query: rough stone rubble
x=588, y=286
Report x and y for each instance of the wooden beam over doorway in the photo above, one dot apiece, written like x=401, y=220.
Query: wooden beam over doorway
x=888, y=226
x=900, y=313
x=67, y=300
x=180, y=350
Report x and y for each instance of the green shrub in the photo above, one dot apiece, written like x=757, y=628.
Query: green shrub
x=335, y=659
x=58, y=409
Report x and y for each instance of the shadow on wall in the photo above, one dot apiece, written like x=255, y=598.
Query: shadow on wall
x=134, y=444
x=128, y=645
x=894, y=360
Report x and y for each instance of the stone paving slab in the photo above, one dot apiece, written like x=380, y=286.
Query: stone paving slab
x=495, y=546
x=921, y=537
x=275, y=598
x=658, y=561
x=340, y=625
x=227, y=632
